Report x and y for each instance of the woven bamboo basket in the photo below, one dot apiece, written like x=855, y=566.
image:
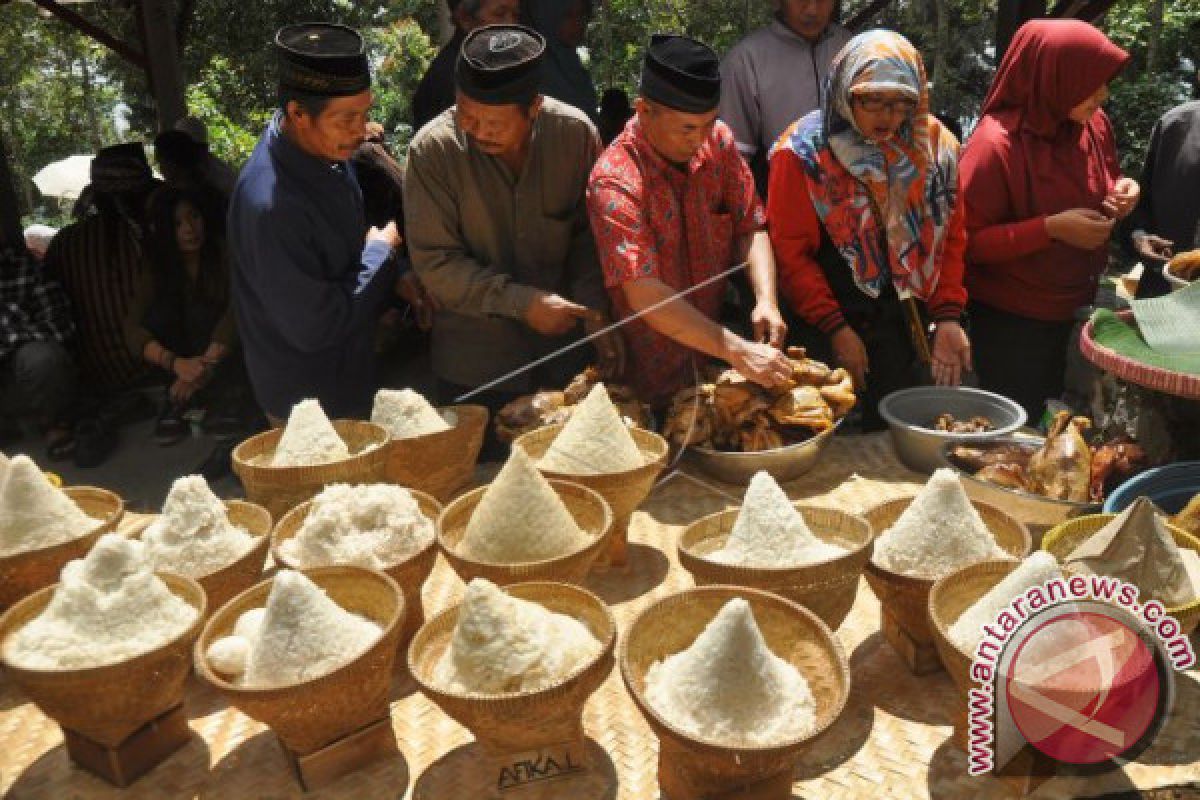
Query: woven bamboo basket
x=309, y=715
x=410, y=574
x=1061, y=541
x=22, y=574
x=591, y=513
x=906, y=596
x=703, y=768
x=949, y=599
x=826, y=588
x=234, y=578
x=442, y=463
x=107, y=704
x=624, y=491
x=520, y=721
x=280, y=489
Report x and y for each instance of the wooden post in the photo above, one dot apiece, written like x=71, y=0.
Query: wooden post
x=166, y=79
x=10, y=207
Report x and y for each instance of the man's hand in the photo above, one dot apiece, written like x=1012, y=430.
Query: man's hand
x=181, y=391
x=389, y=233
x=765, y=365
x=190, y=370
x=768, y=324
x=850, y=352
x=552, y=315
x=1122, y=199
x=423, y=304
x=1082, y=228
x=610, y=348
x=1152, y=248
x=951, y=354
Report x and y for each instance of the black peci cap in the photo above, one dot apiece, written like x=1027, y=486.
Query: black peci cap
x=322, y=59
x=681, y=73
x=501, y=65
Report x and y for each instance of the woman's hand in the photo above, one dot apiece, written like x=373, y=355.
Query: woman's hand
x=850, y=352
x=951, y=354
x=1123, y=198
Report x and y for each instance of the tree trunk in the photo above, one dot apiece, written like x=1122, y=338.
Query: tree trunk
x=941, y=48
x=1155, y=38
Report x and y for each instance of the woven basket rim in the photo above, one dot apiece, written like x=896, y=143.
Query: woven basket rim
x=830, y=640
x=110, y=520
x=473, y=409
x=1092, y=523
x=653, y=447
x=183, y=587
x=940, y=626
x=301, y=511
x=378, y=441
x=913, y=581
x=685, y=551
x=214, y=678
x=607, y=646
x=472, y=498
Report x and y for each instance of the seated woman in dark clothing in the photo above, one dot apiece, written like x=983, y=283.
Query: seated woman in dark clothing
x=868, y=236
x=181, y=319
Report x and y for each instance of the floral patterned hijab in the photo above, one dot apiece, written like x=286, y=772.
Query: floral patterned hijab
x=885, y=205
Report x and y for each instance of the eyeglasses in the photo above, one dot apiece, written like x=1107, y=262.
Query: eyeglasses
x=875, y=104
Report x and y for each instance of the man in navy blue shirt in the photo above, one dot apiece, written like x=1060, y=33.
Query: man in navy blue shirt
x=309, y=279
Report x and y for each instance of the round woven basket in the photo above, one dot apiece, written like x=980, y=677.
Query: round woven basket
x=234, y=578
x=793, y=633
x=309, y=715
x=519, y=721
x=826, y=588
x=107, y=704
x=906, y=596
x=591, y=513
x=949, y=599
x=22, y=574
x=442, y=463
x=1061, y=541
x=280, y=489
x=624, y=491
x=410, y=574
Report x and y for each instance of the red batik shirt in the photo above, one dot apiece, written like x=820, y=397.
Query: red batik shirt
x=654, y=220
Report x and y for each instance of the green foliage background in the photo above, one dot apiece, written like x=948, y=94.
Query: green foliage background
x=61, y=89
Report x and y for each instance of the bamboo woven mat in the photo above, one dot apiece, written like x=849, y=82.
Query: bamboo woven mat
x=892, y=740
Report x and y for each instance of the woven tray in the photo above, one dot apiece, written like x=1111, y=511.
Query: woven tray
x=1127, y=369
x=892, y=741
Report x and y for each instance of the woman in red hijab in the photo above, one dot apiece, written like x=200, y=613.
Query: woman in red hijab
x=1042, y=190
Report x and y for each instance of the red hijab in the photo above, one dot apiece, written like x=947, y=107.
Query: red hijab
x=1052, y=66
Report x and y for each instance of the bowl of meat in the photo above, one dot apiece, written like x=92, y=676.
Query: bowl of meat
x=734, y=428
x=923, y=419
x=1043, y=482
x=1183, y=269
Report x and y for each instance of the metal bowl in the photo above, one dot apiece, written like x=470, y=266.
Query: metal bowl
x=1039, y=513
x=910, y=414
x=783, y=463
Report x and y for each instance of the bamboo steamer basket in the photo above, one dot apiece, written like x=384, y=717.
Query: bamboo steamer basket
x=409, y=574
x=309, y=715
x=107, y=704
x=439, y=464
x=280, y=489
x=22, y=574
x=592, y=514
x=1062, y=540
x=220, y=586
x=693, y=768
x=515, y=722
x=949, y=599
x=907, y=596
x=624, y=491
x=827, y=588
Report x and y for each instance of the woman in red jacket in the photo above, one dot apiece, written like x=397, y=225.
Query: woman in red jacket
x=862, y=215
x=1042, y=190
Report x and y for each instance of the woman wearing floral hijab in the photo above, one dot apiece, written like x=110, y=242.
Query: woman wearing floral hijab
x=866, y=226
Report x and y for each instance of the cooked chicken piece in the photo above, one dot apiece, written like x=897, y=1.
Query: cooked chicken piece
x=580, y=385
x=527, y=413
x=950, y=424
x=803, y=407
x=1186, y=266
x=838, y=392
x=1189, y=518
x=691, y=420
x=1062, y=469
x=1112, y=464
x=1010, y=476
x=730, y=400
x=973, y=459
x=759, y=437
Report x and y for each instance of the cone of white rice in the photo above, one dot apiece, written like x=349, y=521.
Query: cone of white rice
x=1036, y=570
x=406, y=414
x=309, y=438
x=770, y=532
x=594, y=441
x=34, y=513
x=194, y=536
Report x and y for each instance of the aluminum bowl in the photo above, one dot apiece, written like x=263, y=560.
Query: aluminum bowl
x=783, y=463
x=910, y=414
x=1039, y=513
